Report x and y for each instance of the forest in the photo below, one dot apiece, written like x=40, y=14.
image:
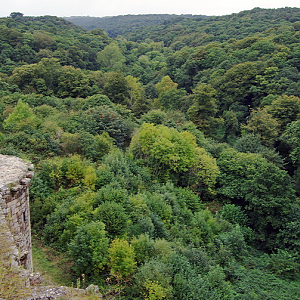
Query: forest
x=167, y=158
x=121, y=25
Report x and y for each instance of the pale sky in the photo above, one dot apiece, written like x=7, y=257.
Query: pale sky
x=101, y=8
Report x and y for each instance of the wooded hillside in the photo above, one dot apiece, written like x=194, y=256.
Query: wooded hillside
x=167, y=160
x=120, y=25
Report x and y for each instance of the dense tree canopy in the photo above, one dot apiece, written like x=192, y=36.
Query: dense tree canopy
x=167, y=159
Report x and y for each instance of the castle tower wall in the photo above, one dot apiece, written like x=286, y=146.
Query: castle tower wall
x=15, y=176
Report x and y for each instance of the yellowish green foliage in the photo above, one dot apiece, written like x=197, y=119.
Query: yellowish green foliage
x=166, y=151
x=165, y=85
x=155, y=291
x=90, y=177
x=122, y=259
x=263, y=123
x=164, y=148
x=205, y=172
x=139, y=205
x=111, y=57
x=136, y=91
x=72, y=171
x=21, y=118
x=285, y=109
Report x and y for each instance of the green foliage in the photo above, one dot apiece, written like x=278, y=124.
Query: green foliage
x=116, y=87
x=284, y=263
x=89, y=249
x=118, y=25
x=285, y=109
x=137, y=99
x=22, y=118
x=143, y=247
x=204, y=107
x=259, y=186
x=164, y=149
x=154, y=116
x=73, y=82
x=252, y=143
x=33, y=145
x=113, y=216
x=126, y=172
x=168, y=95
x=96, y=100
x=154, y=278
x=236, y=78
x=122, y=259
x=234, y=241
x=204, y=228
x=101, y=119
x=290, y=137
x=83, y=143
x=155, y=291
x=204, y=173
x=234, y=214
x=111, y=58
x=262, y=123
x=68, y=172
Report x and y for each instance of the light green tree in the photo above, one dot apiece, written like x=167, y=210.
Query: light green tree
x=285, y=109
x=137, y=99
x=263, y=123
x=169, y=153
x=22, y=118
x=169, y=96
x=122, y=259
x=164, y=149
x=165, y=85
x=111, y=58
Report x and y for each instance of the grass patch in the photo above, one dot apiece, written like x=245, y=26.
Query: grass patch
x=54, y=267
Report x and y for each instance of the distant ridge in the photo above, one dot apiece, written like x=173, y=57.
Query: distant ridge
x=193, y=30
x=124, y=24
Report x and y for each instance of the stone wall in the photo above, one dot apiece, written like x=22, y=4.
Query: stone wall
x=15, y=240
x=15, y=176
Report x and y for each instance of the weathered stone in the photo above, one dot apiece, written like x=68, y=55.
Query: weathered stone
x=16, y=188
x=30, y=174
x=14, y=200
x=93, y=289
x=12, y=170
x=46, y=293
x=25, y=181
x=35, y=279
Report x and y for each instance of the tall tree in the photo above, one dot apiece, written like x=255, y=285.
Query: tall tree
x=116, y=87
x=122, y=259
x=204, y=107
x=111, y=58
x=262, y=188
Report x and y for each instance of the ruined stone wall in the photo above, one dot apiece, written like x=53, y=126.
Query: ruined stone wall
x=15, y=176
x=15, y=240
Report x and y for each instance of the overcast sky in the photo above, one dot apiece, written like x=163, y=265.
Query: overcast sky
x=101, y=8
